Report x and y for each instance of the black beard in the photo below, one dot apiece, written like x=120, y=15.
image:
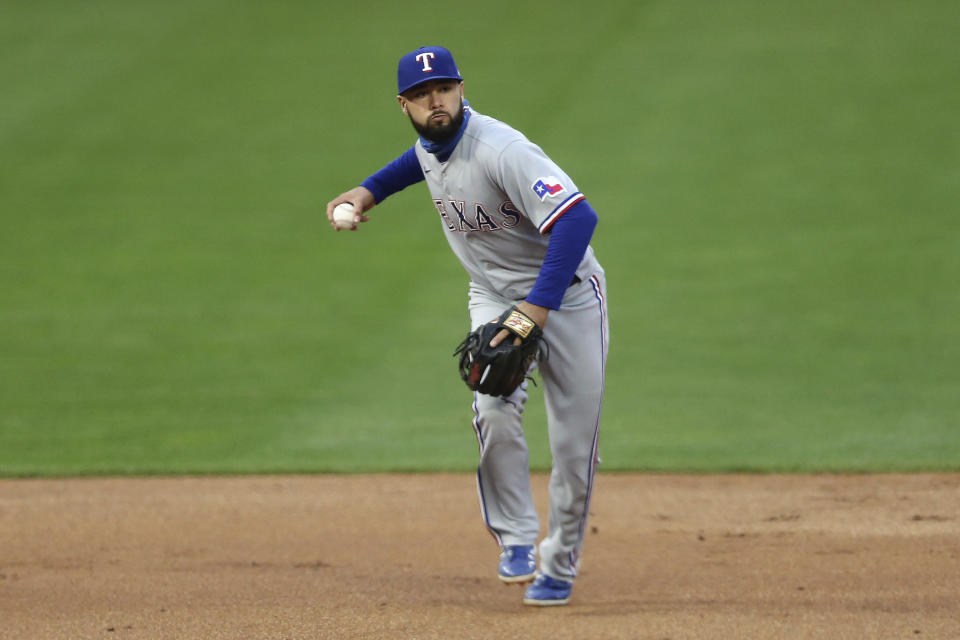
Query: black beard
x=440, y=132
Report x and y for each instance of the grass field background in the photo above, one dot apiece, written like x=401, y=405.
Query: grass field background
x=777, y=185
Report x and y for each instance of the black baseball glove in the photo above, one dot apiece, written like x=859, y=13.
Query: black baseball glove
x=498, y=371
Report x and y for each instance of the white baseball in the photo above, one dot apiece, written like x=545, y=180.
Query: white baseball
x=344, y=216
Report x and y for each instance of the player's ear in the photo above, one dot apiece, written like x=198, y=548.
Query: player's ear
x=403, y=103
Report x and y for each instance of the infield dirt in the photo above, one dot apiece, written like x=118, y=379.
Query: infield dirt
x=406, y=556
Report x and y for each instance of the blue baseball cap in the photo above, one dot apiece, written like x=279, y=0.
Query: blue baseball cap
x=424, y=64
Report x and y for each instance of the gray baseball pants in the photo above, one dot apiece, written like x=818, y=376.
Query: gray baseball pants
x=572, y=376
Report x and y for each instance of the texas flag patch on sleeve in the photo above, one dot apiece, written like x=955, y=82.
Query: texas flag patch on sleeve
x=547, y=187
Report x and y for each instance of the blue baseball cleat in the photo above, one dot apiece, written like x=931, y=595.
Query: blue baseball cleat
x=548, y=592
x=518, y=563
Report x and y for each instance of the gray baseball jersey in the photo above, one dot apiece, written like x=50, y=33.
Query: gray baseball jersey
x=498, y=195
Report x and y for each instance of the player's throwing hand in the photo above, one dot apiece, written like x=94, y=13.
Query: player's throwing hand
x=362, y=201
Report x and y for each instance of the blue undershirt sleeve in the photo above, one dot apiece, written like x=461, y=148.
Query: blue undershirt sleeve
x=396, y=176
x=569, y=239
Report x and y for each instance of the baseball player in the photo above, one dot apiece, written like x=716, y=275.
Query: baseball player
x=521, y=228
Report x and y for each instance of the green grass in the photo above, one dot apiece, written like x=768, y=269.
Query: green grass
x=777, y=185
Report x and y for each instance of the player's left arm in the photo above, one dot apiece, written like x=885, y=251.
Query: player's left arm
x=569, y=238
x=552, y=202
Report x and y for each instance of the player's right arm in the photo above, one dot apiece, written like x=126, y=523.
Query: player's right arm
x=397, y=175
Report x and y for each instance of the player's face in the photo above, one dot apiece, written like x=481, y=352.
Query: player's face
x=435, y=108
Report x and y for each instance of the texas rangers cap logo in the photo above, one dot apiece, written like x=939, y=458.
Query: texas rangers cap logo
x=423, y=64
x=547, y=187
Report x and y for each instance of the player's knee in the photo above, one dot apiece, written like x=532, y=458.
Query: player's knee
x=499, y=414
x=498, y=419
